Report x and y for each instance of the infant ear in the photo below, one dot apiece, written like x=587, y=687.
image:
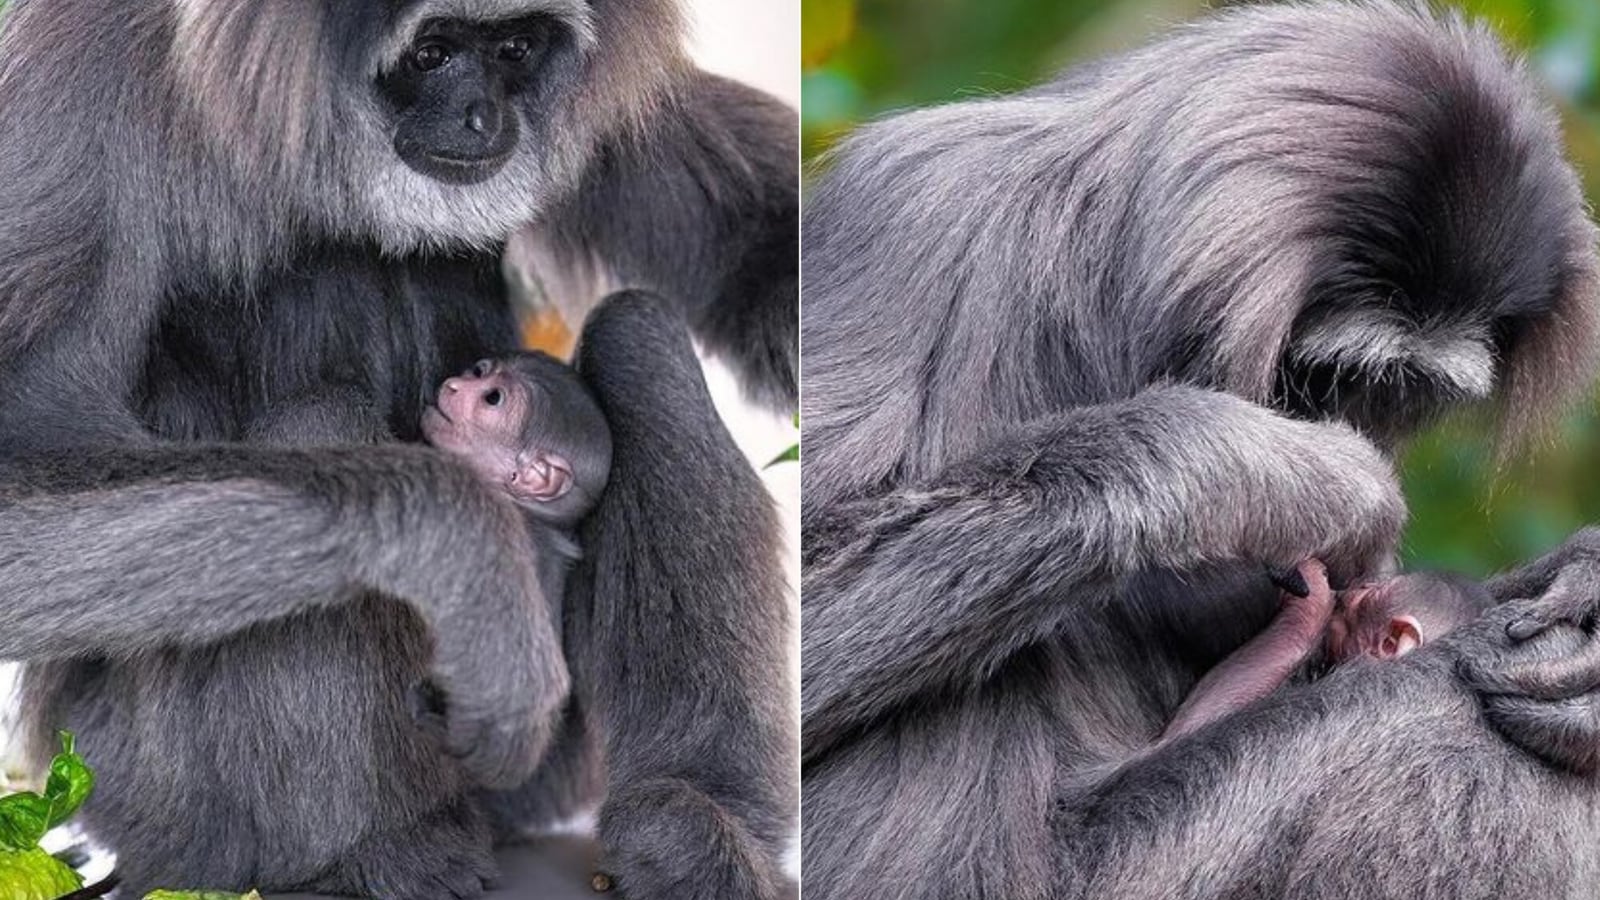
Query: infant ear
x=1404, y=635
x=540, y=477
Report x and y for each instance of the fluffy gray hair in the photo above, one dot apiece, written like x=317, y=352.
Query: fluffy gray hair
x=241, y=125
x=1363, y=192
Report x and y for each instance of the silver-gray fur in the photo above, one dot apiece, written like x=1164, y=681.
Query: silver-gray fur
x=224, y=300
x=1078, y=363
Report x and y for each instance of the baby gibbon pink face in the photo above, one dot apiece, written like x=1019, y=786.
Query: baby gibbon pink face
x=484, y=417
x=1390, y=618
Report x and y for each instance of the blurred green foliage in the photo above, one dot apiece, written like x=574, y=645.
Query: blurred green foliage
x=867, y=57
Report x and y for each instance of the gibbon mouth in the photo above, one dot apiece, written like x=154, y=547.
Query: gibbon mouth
x=434, y=422
x=488, y=159
x=461, y=170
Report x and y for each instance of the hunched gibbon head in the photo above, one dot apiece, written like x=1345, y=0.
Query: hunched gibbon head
x=425, y=123
x=1430, y=277
x=1243, y=205
x=1376, y=240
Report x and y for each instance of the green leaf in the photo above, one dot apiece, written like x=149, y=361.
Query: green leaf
x=790, y=455
x=24, y=818
x=35, y=875
x=69, y=784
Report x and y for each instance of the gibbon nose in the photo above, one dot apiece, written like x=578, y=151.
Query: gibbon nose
x=483, y=118
x=468, y=398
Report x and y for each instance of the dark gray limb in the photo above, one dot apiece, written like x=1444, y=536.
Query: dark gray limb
x=678, y=626
x=113, y=552
x=1016, y=539
x=1295, y=814
x=1549, y=705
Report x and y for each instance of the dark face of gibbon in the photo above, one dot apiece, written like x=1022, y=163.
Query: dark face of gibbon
x=455, y=94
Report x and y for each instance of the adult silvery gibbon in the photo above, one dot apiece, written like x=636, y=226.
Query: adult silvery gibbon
x=1084, y=364
x=241, y=243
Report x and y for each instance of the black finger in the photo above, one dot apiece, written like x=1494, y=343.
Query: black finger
x=427, y=699
x=1526, y=627
x=1289, y=581
x=459, y=883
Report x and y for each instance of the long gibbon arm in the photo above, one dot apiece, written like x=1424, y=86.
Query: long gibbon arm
x=678, y=623
x=1048, y=518
x=117, y=551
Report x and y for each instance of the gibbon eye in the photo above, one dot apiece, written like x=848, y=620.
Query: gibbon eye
x=494, y=397
x=430, y=56
x=516, y=49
